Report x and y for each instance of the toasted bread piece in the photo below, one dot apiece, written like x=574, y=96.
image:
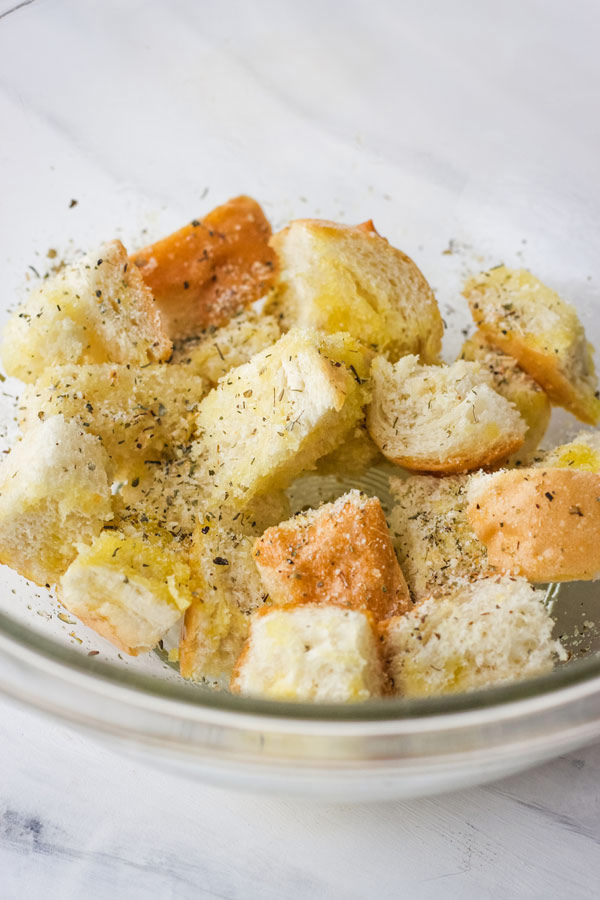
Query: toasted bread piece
x=342, y=278
x=340, y=553
x=310, y=652
x=441, y=418
x=518, y=388
x=218, y=350
x=130, y=588
x=54, y=493
x=519, y=314
x=540, y=523
x=486, y=632
x=582, y=453
x=207, y=271
x=142, y=415
x=435, y=543
x=357, y=454
x=96, y=311
x=229, y=589
x=275, y=416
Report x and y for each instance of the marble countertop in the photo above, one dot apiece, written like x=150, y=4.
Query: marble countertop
x=483, y=112
x=78, y=820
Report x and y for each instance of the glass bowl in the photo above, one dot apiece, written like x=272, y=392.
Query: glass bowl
x=463, y=131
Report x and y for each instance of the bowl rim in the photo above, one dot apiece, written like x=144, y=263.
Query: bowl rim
x=36, y=651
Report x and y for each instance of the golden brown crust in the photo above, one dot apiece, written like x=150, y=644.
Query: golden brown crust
x=189, y=644
x=540, y=523
x=210, y=269
x=408, y=293
x=455, y=465
x=543, y=369
x=343, y=555
x=108, y=631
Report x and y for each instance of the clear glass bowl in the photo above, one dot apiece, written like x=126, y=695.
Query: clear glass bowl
x=130, y=119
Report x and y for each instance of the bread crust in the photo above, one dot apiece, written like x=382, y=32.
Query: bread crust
x=540, y=523
x=513, y=383
x=405, y=413
x=210, y=269
x=509, y=308
x=400, y=317
x=340, y=554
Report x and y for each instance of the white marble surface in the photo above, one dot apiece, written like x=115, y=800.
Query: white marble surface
x=78, y=821
x=443, y=120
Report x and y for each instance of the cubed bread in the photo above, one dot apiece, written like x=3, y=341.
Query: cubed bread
x=340, y=553
x=310, y=652
x=96, y=311
x=207, y=271
x=518, y=388
x=540, y=523
x=218, y=350
x=141, y=415
x=275, y=416
x=435, y=543
x=357, y=454
x=130, y=588
x=487, y=632
x=583, y=453
x=441, y=418
x=54, y=493
x=520, y=315
x=341, y=278
x=229, y=590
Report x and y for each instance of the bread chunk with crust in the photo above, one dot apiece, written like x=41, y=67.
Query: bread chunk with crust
x=129, y=587
x=275, y=416
x=435, y=543
x=487, y=632
x=540, y=523
x=310, y=652
x=209, y=270
x=445, y=419
x=140, y=414
x=229, y=589
x=97, y=310
x=343, y=278
x=219, y=350
x=54, y=494
x=517, y=313
x=583, y=453
x=340, y=553
x=518, y=388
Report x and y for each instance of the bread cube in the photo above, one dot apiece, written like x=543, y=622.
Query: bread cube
x=141, y=415
x=207, y=271
x=218, y=350
x=583, y=453
x=54, y=493
x=518, y=388
x=129, y=587
x=441, y=418
x=229, y=588
x=357, y=454
x=275, y=416
x=341, y=278
x=520, y=315
x=487, y=632
x=96, y=311
x=340, y=553
x=310, y=652
x=435, y=543
x=540, y=523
